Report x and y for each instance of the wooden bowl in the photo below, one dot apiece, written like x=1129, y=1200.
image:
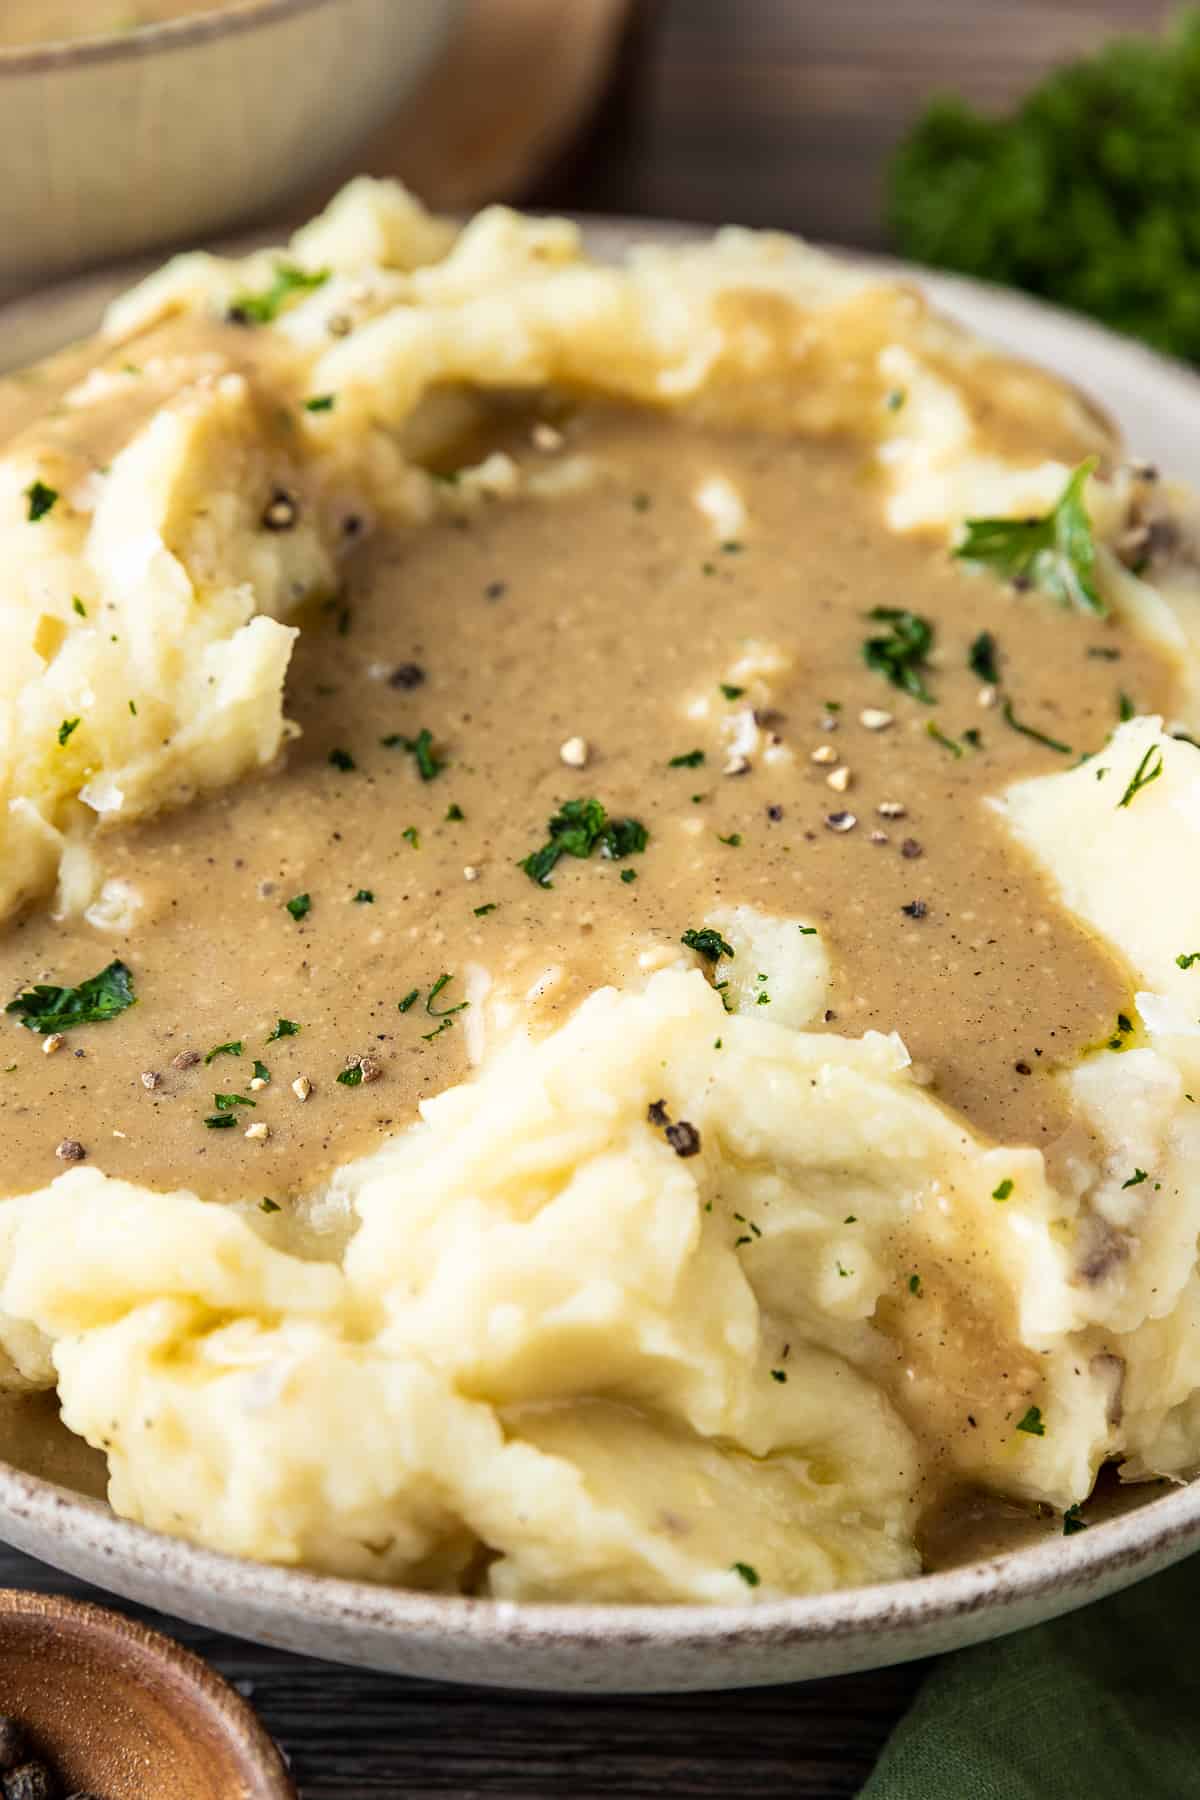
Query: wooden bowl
x=121, y=1711
x=111, y=145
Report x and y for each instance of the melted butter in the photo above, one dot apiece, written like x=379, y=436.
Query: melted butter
x=605, y=615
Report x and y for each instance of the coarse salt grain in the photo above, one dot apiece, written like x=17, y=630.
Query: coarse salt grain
x=824, y=753
x=839, y=779
x=258, y=1133
x=54, y=1042
x=574, y=753
x=302, y=1087
x=874, y=718
x=987, y=695
x=257, y=1084
x=891, y=809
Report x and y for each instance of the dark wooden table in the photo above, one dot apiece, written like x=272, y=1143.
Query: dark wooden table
x=775, y=112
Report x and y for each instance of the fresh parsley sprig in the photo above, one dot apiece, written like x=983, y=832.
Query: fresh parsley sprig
x=1055, y=554
x=900, y=655
x=46, y=1008
x=579, y=828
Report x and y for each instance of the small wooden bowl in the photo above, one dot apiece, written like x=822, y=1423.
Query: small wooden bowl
x=122, y=1712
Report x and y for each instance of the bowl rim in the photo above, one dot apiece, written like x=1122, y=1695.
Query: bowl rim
x=233, y=17
x=1143, y=1539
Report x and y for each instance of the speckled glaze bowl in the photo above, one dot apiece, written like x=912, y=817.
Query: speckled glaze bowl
x=622, y=1648
x=112, y=144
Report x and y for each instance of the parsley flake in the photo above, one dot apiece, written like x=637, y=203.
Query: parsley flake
x=221, y=1122
x=481, y=912
x=267, y=1205
x=228, y=1102
x=412, y=836
x=78, y=606
x=730, y=692
x=1003, y=1190
x=1032, y=1422
x=981, y=658
x=66, y=728
x=454, y=814
x=1186, y=961
x=1147, y=771
x=41, y=499
x=914, y=1285
x=935, y=731
x=289, y=281
x=283, y=1028
x=261, y=1071
x=410, y=999
x=734, y=840
x=1030, y=731
x=446, y=1011
x=45, y=1008
x=342, y=759
x=579, y=828
x=1056, y=554
x=691, y=759
x=707, y=943
x=1135, y=1180
x=1072, y=1521
x=364, y=897
x=900, y=655
x=350, y=1077
x=320, y=403
x=234, y=1048
x=420, y=747
x=299, y=905
x=748, y=1573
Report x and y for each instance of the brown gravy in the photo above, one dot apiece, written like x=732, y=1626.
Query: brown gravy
x=596, y=615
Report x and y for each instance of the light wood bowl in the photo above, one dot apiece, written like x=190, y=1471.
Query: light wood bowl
x=121, y=1711
x=172, y=132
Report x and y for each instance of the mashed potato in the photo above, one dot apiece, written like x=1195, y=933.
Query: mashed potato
x=681, y=1299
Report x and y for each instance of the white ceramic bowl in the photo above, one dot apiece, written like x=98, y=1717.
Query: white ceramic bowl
x=638, y=1648
x=173, y=132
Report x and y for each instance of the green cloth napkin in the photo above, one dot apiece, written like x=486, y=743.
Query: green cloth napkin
x=1101, y=1705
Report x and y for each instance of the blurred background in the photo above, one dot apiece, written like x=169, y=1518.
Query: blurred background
x=1044, y=144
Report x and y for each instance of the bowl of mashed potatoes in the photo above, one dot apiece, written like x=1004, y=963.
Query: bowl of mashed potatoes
x=128, y=124
x=599, y=961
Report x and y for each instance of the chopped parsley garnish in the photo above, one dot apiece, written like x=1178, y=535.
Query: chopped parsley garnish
x=421, y=747
x=233, y=1048
x=1125, y=707
x=894, y=399
x=981, y=658
x=939, y=737
x=283, y=1028
x=364, y=897
x=707, y=943
x=454, y=814
x=481, y=912
x=428, y=1036
x=78, y=606
x=734, y=840
x=691, y=759
x=41, y=498
x=1072, y=1521
x=748, y=1573
x=45, y=1008
x=350, y=1077
x=628, y=875
x=319, y=403
x=410, y=999
x=261, y=1071
x=1056, y=554
x=227, y=1102
x=914, y=1285
x=1032, y=1422
x=267, y=1205
x=727, y=688
x=412, y=836
x=1147, y=771
x=1030, y=731
x=264, y=308
x=579, y=828
x=221, y=1122
x=299, y=905
x=779, y=1375
x=899, y=655
x=444, y=1012
x=1003, y=1189
x=807, y=930
x=1135, y=1180
x=66, y=728
x=1186, y=961
x=342, y=759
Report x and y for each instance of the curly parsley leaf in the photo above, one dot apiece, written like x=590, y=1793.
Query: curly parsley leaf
x=45, y=1008
x=283, y=1028
x=1055, y=554
x=900, y=654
